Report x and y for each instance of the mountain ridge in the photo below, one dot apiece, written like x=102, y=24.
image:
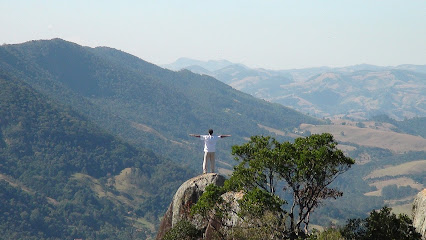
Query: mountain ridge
x=119, y=92
x=298, y=88
x=136, y=107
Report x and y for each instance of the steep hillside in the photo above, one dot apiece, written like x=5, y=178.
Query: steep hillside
x=142, y=103
x=63, y=177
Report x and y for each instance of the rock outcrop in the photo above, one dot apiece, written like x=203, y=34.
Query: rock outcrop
x=419, y=213
x=187, y=195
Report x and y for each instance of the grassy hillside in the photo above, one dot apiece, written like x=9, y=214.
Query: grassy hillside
x=142, y=103
x=359, y=91
x=397, y=142
x=390, y=164
x=62, y=177
x=414, y=126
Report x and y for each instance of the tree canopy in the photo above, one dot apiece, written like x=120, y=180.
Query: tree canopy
x=287, y=179
x=379, y=225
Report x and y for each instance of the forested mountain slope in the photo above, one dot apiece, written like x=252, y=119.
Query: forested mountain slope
x=143, y=103
x=63, y=177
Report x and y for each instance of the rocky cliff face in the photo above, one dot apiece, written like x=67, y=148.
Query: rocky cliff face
x=419, y=213
x=187, y=195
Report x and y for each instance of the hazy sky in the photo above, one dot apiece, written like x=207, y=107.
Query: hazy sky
x=272, y=34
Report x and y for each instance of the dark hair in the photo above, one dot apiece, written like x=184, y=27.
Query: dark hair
x=210, y=131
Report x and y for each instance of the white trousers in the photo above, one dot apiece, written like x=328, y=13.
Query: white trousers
x=208, y=156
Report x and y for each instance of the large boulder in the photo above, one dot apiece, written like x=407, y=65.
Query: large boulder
x=419, y=213
x=187, y=195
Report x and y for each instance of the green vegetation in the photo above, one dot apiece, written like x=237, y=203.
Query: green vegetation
x=183, y=230
x=414, y=126
x=268, y=214
x=303, y=170
x=144, y=104
x=355, y=184
x=327, y=234
x=46, y=150
x=395, y=192
x=94, y=142
x=381, y=225
x=62, y=107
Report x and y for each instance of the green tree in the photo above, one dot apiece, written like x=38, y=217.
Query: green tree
x=183, y=230
x=381, y=225
x=303, y=169
x=327, y=234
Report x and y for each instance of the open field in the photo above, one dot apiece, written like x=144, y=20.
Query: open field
x=415, y=167
x=279, y=132
x=396, y=142
x=128, y=193
x=401, y=181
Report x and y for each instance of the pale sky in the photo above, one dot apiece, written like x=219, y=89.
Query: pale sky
x=271, y=34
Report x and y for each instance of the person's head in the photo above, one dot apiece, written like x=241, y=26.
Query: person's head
x=210, y=131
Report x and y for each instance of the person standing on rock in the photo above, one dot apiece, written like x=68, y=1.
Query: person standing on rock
x=209, y=148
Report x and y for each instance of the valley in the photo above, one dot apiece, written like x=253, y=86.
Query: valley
x=101, y=137
x=355, y=92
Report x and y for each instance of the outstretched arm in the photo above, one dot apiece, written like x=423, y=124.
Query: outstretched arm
x=194, y=135
x=222, y=136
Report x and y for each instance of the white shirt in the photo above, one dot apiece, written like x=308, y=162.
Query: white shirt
x=209, y=142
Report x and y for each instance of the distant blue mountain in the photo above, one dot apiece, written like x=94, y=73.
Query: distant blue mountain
x=358, y=91
x=184, y=63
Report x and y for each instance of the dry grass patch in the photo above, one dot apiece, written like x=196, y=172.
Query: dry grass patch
x=401, y=181
x=414, y=167
x=406, y=209
x=142, y=223
x=278, y=132
x=15, y=183
x=346, y=148
x=146, y=128
x=120, y=183
x=93, y=183
x=396, y=142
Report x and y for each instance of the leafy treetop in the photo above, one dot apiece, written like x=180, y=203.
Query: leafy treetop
x=303, y=170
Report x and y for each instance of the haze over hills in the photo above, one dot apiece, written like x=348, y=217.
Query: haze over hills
x=91, y=133
x=211, y=65
x=357, y=92
x=354, y=92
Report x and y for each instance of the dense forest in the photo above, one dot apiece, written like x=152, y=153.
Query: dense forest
x=46, y=148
